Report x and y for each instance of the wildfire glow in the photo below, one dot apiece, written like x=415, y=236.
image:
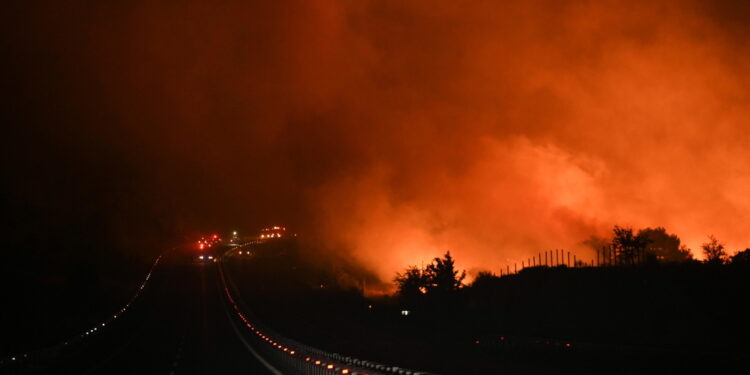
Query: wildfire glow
x=516, y=142
x=391, y=132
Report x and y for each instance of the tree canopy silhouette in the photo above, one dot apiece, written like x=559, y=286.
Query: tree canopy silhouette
x=443, y=276
x=412, y=283
x=714, y=251
x=663, y=246
x=483, y=278
x=628, y=245
x=742, y=258
x=439, y=277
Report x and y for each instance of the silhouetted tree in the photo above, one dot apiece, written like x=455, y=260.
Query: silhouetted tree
x=443, y=276
x=628, y=245
x=664, y=247
x=714, y=252
x=686, y=254
x=742, y=258
x=412, y=283
x=483, y=278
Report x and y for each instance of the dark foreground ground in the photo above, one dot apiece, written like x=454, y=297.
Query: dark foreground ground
x=548, y=321
x=179, y=325
x=650, y=320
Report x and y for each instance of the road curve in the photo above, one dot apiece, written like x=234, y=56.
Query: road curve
x=178, y=325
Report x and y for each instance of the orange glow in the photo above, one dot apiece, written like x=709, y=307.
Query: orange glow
x=495, y=130
x=629, y=115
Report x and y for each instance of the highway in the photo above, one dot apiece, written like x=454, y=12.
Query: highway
x=178, y=325
x=187, y=318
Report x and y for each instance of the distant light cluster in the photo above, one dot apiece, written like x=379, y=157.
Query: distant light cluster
x=273, y=232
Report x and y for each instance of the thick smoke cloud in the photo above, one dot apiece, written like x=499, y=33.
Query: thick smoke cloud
x=394, y=131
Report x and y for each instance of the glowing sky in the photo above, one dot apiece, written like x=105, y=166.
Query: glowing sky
x=395, y=130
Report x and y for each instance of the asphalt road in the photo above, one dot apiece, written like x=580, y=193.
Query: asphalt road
x=179, y=325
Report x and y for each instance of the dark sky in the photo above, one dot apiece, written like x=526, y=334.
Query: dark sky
x=389, y=130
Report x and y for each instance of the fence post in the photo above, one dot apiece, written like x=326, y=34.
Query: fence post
x=608, y=259
x=609, y=256
x=615, y=260
x=597, y=258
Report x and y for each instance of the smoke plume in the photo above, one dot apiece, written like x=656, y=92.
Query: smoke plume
x=395, y=131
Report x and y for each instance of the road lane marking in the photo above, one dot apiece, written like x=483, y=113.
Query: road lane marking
x=177, y=355
x=265, y=363
x=250, y=348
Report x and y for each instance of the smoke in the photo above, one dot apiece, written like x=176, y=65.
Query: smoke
x=393, y=132
x=516, y=128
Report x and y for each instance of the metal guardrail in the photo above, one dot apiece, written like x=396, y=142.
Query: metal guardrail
x=23, y=360
x=292, y=357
